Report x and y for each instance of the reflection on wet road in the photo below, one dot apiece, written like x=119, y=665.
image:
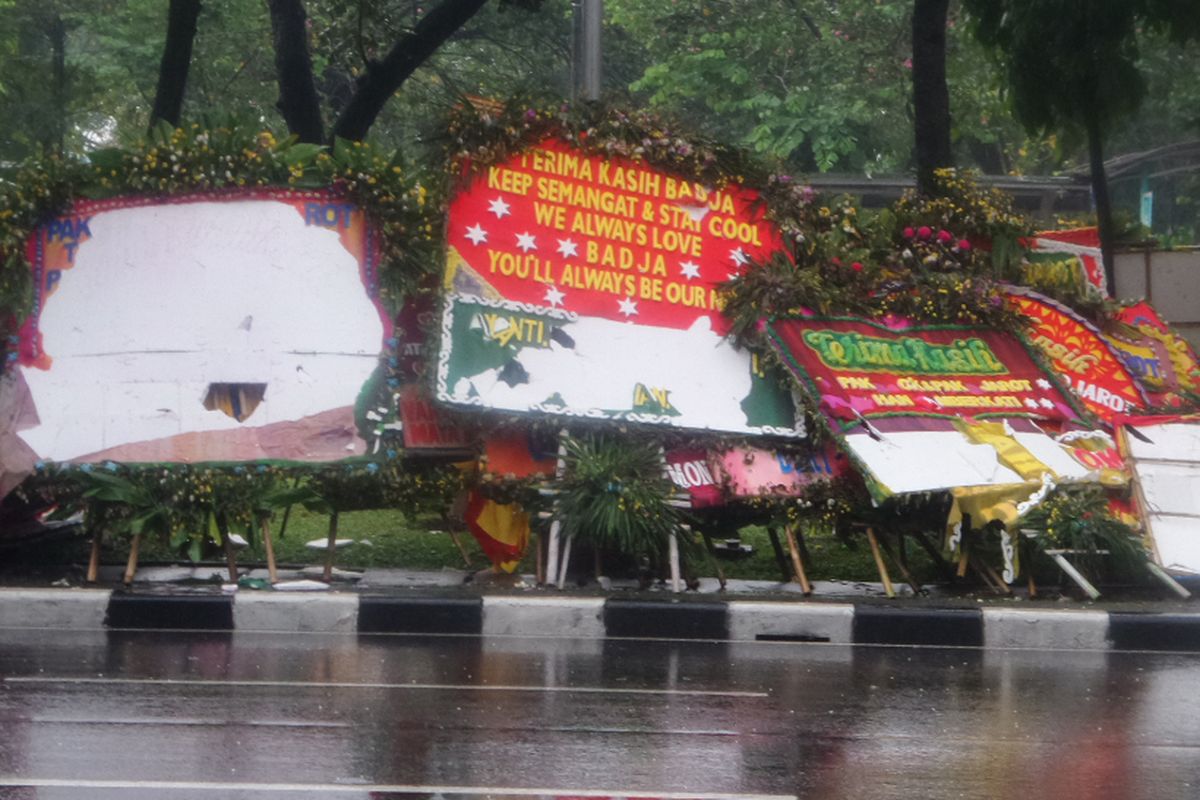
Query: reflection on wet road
x=198, y=716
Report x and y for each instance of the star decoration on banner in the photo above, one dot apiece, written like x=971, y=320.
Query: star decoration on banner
x=1043, y=383
x=690, y=269
x=1046, y=403
x=739, y=257
x=1031, y=403
x=476, y=234
x=499, y=208
x=526, y=242
x=628, y=307
x=555, y=297
x=567, y=248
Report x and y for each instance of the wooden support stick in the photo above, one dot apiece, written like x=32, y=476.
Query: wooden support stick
x=900, y=563
x=797, y=563
x=264, y=525
x=1001, y=586
x=462, y=551
x=330, y=547
x=673, y=555
x=1166, y=580
x=1074, y=574
x=131, y=565
x=712, y=552
x=963, y=560
x=944, y=567
x=227, y=545
x=93, y=570
x=780, y=559
x=560, y=469
x=539, y=563
x=561, y=580
x=883, y=573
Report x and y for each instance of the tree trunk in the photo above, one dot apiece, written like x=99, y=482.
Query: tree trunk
x=1104, y=220
x=298, y=101
x=176, y=60
x=931, y=97
x=410, y=51
x=58, y=46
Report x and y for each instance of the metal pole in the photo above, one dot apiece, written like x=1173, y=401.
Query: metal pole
x=586, y=64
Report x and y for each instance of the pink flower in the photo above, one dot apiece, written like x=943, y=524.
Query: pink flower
x=924, y=232
x=856, y=266
x=944, y=236
x=909, y=232
x=837, y=262
x=963, y=244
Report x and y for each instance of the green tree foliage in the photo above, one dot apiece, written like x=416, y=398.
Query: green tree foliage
x=822, y=85
x=1072, y=66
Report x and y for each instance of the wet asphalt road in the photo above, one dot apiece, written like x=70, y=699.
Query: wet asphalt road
x=196, y=716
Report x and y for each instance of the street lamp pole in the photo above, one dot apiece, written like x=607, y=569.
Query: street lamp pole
x=585, y=62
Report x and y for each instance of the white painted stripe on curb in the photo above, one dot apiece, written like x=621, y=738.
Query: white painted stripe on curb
x=369, y=789
x=832, y=622
x=53, y=608
x=295, y=613
x=543, y=616
x=1054, y=630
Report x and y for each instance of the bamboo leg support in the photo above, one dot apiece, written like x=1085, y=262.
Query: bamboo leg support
x=462, y=550
x=539, y=563
x=131, y=565
x=561, y=580
x=712, y=552
x=93, y=570
x=673, y=553
x=901, y=565
x=265, y=528
x=227, y=546
x=330, y=547
x=883, y=573
x=797, y=564
x=780, y=559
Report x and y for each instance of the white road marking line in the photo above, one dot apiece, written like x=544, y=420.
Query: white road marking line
x=364, y=788
x=413, y=686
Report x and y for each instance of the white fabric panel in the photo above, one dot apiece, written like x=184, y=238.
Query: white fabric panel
x=1178, y=542
x=1174, y=441
x=1052, y=454
x=925, y=461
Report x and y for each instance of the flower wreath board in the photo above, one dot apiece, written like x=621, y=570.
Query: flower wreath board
x=1163, y=452
x=586, y=286
x=927, y=408
x=224, y=326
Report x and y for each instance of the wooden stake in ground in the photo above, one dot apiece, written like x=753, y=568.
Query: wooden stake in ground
x=93, y=570
x=673, y=554
x=264, y=525
x=797, y=563
x=227, y=545
x=131, y=565
x=561, y=580
x=900, y=563
x=712, y=552
x=539, y=560
x=882, y=567
x=780, y=559
x=330, y=547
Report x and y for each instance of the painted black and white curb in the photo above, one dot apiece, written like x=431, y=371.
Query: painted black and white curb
x=597, y=617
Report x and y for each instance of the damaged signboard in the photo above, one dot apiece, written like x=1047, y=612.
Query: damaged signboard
x=191, y=329
x=1081, y=355
x=927, y=408
x=1164, y=454
x=585, y=286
